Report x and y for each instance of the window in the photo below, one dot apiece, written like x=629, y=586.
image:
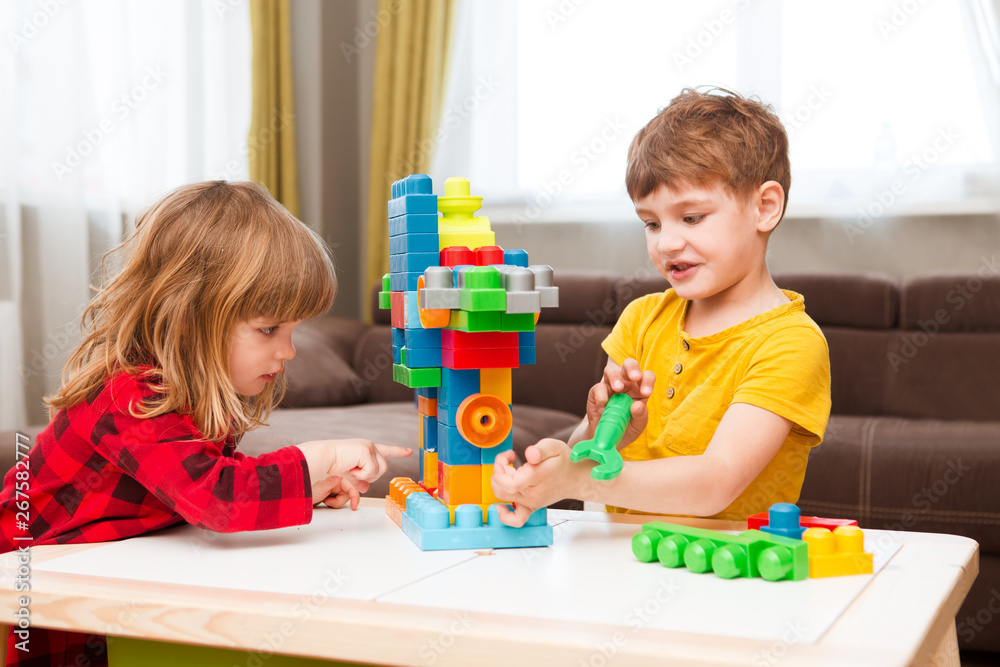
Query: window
x=884, y=101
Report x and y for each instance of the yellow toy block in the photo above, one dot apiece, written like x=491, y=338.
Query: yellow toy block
x=496, y=381
x=488, y=497
x=460, y=485
x=430, y=469
x=473, y=240
x=427, y=406
x=837, y=553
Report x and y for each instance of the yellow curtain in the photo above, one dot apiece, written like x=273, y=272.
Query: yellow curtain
x=272, y=125
x=410, y=62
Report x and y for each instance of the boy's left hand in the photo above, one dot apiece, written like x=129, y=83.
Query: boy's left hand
x=546, y=477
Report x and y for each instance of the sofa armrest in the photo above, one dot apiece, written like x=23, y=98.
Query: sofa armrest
x=320, y=374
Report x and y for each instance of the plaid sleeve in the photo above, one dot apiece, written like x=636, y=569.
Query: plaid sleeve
x=194, y=477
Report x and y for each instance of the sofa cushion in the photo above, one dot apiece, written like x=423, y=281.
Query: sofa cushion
x=856, y=385
x=862, y=300
x=952, y=303
x=373, y=364
x=907, y=474
x=319, y=375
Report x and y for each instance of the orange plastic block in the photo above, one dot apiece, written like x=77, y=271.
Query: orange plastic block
x=427, y=406
x=395, y=502
x=459, y=485
x=837, y=553
x=496, y=381
x=488, y=496
x=430, y=479
x=484, y=420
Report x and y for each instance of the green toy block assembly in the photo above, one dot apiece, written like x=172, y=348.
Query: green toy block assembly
x=517, y=322
x=749, y=554
x=475, y=322
x=416, y=378
x=384, y=301
x=603, y=447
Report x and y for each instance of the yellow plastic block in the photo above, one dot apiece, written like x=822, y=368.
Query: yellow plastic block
x=837, y=553
x=473, y=240
x=460, y=484
x=496, y=381
x=430, y=470
x=427, y=406
x=488, y=497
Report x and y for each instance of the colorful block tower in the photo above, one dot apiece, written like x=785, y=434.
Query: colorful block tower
x=463, y=315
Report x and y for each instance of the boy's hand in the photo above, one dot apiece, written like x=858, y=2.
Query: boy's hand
x=546, y=477
x=344, y=468
x=625, y=379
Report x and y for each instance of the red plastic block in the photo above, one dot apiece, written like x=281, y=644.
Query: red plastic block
x=477, y=340
x=398, y=309
x=755, y=521
x=457, y=255
x=506, y=357
x=489, y=255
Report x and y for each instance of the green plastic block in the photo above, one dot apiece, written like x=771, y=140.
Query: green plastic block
x=484, y=320
x=384, y=301
x=517, y=322
x=749, y=554
x=477, y=300
x=416, y=378
x=386, y=282
x=482, y=277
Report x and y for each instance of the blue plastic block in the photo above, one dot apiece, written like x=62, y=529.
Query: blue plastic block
x=783, y=519
x=457, y=280
x=516, y=258
x=415, y=223
x=412, y=262
x=413, y=194
x=404, y=243
x=408, y=204
x=397, y=354
x=457, y=385
x=422, y=357
x=405, y=282
x=526, y=355
x=422, y=338
x=488, y=455
x=525, y=338
x=455, y=450
x=430, y=426
x=448, y=414
x=411, y=305
x=398, y=336
x=427, y=522
x=428, y=392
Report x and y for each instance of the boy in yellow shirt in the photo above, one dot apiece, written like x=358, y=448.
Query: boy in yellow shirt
x=731, y=377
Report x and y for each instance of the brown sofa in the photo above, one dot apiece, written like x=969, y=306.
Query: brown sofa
x=913, y=442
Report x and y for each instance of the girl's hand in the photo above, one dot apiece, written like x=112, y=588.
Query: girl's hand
x=346, y=467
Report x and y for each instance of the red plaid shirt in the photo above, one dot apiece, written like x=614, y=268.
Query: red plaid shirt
x=99, y=474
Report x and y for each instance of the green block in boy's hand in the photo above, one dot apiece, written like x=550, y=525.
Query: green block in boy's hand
x=603, y=447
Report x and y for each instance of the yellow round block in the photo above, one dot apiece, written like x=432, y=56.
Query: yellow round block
x=820, y=540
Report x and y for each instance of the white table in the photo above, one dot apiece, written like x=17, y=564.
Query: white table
x=350, y=586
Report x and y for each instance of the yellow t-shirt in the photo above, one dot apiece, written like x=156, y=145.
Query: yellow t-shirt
x=777, y=360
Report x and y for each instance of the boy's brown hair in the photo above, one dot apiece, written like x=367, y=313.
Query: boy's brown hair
x=705, y=137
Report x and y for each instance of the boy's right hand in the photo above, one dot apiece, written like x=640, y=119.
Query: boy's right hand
x=625, y=379
x=341, y=470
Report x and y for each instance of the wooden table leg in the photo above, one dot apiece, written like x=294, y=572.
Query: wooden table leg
x=946, y=652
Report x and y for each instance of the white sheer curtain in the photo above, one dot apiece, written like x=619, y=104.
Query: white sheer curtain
x=104, y=106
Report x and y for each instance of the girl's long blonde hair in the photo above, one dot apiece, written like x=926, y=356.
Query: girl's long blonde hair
x=202, y=259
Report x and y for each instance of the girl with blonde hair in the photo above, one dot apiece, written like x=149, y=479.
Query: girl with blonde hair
x=183, y=352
